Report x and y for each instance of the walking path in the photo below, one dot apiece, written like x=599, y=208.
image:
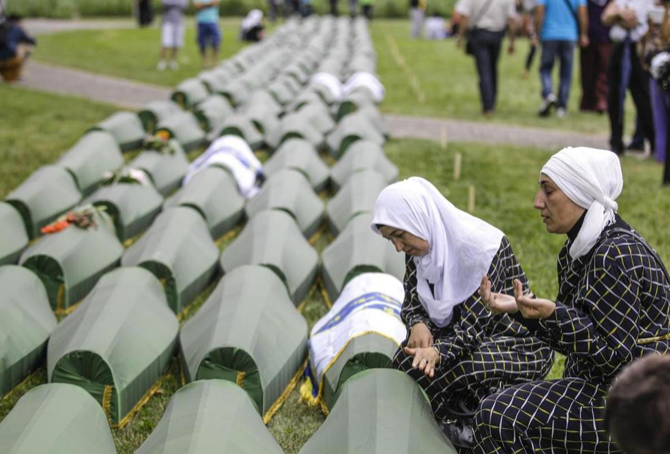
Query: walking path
x=134, y=95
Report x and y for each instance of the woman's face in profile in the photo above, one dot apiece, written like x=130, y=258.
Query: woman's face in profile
x=558, y=212
x=405, y=242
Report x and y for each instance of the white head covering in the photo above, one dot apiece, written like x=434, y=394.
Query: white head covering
x=254, y=17
x=593, y=180
x=461, y=246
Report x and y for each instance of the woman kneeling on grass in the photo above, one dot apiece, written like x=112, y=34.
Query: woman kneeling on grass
x=613, y=306
x=457, y=351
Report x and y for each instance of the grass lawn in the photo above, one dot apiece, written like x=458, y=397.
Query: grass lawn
x=444, y=74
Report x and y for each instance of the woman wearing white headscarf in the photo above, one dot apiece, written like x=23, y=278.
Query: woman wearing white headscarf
x=613, y=306
x=456, y=350
x=252, y=26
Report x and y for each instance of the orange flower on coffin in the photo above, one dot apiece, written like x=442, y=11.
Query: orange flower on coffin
x=56, y=227
x=163, y=135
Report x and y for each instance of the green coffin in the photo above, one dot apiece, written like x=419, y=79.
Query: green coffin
x=47, y=193
x=215, y=80
x=118, y=343
x=288, y=190
x=212, y=112
x=190, y=93
x=273, y=238
x=14, y=238
x=372, y=113
x=281, y=93
x=300, y=155
x=362, y=155
x=353, y=102
x=96, y=154
x=210, y=416
x=133, y=207
x=243, y=126
x=297, y=126
x=356, y=197
x=70, y=262
x=264, y=119
x=26, y=321
x=352, y=128
x=358, y=249
x=213, y=193
x=380, y=411
x=306, y=98
x=264, y=98
x=56, y=419
x=248, y=332
x=179, y=251
x=319, y=117
x=166, y=170
x=156, y=112
x=185, y=129
x=126, y=127
x=235, y=92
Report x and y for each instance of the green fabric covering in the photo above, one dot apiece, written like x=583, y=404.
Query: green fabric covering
x=243, y=126
x=307, y=98
x=185, y=128
x=247, y=325
x=180, y=252
x=156, y=112
x=215, y=80
x=358, y=246
x=133, y=207
x=353, y=102
x=165, y=170
x=297, y=125
x=380, y=411
x=375, y=117
x=265, y=120
x=273, y=238
x=123, y=335
x=213, y=193
x=289, y=190
x=319, y=117
x=26, y=321
x=49, y=192
x=370, y=351
x=14, y=238
x=236, y=93
x=70, y=262
x=126, y=127
x=362, y=155
x=357, y=196
x=56, y=419
x=210, y=416
x=212, y=112
x=91, y=158
x=352, y=128
x=264, y=99
x=190, y=93
x=281, y=93
x=300, y=155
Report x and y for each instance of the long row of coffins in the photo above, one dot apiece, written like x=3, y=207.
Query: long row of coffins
x=135, y=261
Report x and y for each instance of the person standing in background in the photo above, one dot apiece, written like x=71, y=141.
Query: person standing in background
x=417, y=13
x=209, y=35
x=368, y=8
x=487, y=20
x=628, y=22
x=334, y=8
x=145, y=15
x=595, y=59
x=559, y=24
x=528, y=24
x=172, y=32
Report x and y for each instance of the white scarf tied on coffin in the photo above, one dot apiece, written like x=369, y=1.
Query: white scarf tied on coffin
x=461, y=245
x=593, y=180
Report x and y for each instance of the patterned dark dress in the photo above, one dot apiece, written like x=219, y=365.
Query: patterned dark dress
x=480, y=353
x=613, y=306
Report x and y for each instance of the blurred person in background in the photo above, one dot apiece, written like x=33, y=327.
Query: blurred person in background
x=252, y=29
x=145, y=15
x=527, y=8
x=368, y=8
x=209, y=34
x=417, y=14
x=595, y=59
x=172, y=33
x=15, y=48
x=436, y=27
x=485, y=21
x=559, y=24
x=628, y=22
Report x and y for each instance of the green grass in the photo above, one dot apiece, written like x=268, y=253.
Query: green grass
x=445, y=75
x=37, y=128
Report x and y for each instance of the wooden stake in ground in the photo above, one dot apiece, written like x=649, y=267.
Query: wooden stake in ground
x=458, y=159
x=443, y=138
x=471, y=199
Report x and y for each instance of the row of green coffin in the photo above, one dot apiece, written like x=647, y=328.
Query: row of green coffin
x=380, y=411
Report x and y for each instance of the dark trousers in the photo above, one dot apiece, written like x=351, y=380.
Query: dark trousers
x=564, y=51
x=595, y=59
x=333, y=7
x=639, y=89
x=367, y=12
x=486, y=50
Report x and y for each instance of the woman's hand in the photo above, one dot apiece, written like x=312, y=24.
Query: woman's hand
x=425, y=359
x=497, y=303
x=529, y=307
x=420, y=336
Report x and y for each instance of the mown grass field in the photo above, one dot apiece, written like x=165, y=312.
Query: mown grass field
x=37, y=128
x=446, y=78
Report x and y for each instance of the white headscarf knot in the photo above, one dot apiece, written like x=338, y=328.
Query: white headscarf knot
x=593, y=180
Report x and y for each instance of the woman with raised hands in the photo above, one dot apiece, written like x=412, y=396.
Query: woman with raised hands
x=456, y=350
x=613, y=306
